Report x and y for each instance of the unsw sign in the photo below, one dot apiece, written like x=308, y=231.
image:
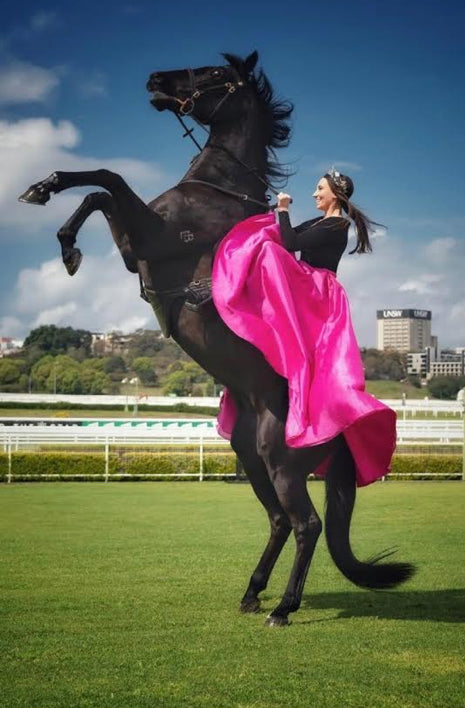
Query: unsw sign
x=415, y=314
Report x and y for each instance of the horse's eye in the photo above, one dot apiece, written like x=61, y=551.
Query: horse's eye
x=216, y=72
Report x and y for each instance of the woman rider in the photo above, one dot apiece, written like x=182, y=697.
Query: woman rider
x=323, y=240
x=297, y=314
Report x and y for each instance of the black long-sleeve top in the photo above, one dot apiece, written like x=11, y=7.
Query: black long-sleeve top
x=320, y=241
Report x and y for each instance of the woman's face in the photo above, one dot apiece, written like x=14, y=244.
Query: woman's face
x=324, y=197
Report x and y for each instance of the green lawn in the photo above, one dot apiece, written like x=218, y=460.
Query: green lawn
x=127, y=596
x=395, y=389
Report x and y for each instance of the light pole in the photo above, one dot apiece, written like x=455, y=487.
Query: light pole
x=125, y=381
x=135, y=381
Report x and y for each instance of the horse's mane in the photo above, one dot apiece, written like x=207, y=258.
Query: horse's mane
x=276, y=113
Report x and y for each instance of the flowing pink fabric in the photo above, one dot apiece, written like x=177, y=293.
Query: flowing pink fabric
x=299, y=318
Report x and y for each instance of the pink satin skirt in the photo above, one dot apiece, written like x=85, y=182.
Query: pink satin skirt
x=299, y=318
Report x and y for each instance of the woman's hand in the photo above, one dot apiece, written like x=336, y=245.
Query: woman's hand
x=283, y=201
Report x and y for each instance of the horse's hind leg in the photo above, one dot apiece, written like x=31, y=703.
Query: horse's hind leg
x=98, y=201
x=288, y=470
x=244, y=444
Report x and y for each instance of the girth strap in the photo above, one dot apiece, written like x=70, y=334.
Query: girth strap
x=196, y=294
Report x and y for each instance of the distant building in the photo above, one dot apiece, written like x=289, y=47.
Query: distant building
x=419, y=363
x=115, y=343
x=451, y=363
x=8, y=345
x=404, y=330
x=109, y=343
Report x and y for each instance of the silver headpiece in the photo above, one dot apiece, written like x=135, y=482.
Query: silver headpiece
x=339, y=180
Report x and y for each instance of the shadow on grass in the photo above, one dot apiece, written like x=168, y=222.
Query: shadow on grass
x=431, y=605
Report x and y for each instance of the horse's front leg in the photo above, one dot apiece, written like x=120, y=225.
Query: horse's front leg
x=139, y=221
x=39, y=193
x=97, y=201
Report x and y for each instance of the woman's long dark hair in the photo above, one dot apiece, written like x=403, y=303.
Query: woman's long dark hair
x=363, y=225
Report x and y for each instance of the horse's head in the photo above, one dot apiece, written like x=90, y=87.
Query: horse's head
x=204, y=92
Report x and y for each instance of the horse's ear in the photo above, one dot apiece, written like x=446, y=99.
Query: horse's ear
x=236, y=63
x=243, y=67
x=250, y=62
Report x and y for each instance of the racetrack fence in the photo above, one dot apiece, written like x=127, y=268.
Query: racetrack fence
x=176, y=449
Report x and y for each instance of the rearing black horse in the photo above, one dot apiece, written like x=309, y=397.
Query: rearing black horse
x=170, y=243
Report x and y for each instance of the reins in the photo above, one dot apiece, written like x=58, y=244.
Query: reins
x=244, y=197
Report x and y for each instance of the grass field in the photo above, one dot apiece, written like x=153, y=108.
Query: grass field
x=127, y=596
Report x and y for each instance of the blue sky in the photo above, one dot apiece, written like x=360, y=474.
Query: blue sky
x=378, y=91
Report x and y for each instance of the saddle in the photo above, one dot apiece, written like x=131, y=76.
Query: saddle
x=195, y=295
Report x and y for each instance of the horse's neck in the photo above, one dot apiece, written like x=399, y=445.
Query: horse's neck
x=242, y=148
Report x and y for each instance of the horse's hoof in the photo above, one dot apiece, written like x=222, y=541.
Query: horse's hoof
x=251, y=607
x=73, y=261
x=276, y=621
x=35, y=195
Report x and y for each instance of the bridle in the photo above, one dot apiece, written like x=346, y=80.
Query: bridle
x=187, y=108
x=188, y=105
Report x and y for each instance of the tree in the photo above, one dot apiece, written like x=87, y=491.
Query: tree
x=183, y=381
x=113, y=364
x=179, y=383
x=388, y=364
x=445, y=386
x=58, y=340
x=41, y=371
x=64, y=374
x=144, y=343
x=414, y=380
x=10, y=372
x=143, y=367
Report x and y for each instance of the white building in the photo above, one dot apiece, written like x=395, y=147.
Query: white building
x=450, y=364
x=404, y=330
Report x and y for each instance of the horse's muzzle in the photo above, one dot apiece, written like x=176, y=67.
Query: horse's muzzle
x=161, y=101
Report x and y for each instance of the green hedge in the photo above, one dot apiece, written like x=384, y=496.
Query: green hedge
x=3, y=465
x=426, y=466
x=66, y=465
x=27, y=465
x=31, y=465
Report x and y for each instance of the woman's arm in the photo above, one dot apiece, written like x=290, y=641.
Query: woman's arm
x=287, y=233
x=310, y=234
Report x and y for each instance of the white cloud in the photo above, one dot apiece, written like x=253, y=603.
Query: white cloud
x=31, y=149
x=11, y=327
x=342, y=165
x=440, y=248
x=25, y=83
x=423, y=284
x=94, y=86
x=61, y=313
x=102, y=296
x=399, y=274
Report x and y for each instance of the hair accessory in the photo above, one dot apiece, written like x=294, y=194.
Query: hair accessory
x=339, y=180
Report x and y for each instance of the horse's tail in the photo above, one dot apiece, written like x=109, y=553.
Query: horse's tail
x=340, y=498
